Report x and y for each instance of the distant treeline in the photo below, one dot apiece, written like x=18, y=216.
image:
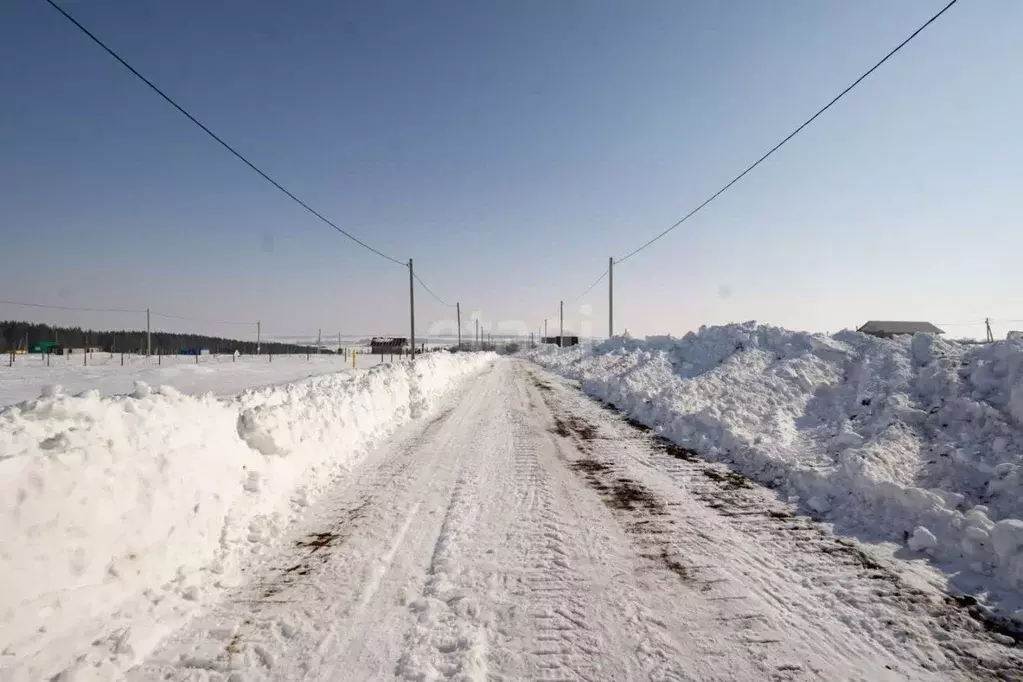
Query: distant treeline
x=22, y=335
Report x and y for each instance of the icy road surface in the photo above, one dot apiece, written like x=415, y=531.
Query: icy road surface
x=523, y=532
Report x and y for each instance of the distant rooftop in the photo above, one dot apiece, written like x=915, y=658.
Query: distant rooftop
x=894, y=327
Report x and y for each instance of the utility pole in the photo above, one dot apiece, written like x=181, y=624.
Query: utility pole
x=412, y=307
x=477, y=333
x=319, y=341
x=990, y=336
x=545, y=328
x=610, y=297
x=339, y=343
x=458, y=314
x=259, y=332
x=149, y=336
x=561, y=334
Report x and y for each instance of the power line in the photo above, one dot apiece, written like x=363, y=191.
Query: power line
x=64, y=307
x=430, y=291
x=590, y=288
x=209, y=132
x=792, y=134
x=194, y=319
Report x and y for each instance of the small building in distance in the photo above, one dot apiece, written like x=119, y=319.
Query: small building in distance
x=47, y=347
x=562, y=341
x=886, y=329
x=388, y=345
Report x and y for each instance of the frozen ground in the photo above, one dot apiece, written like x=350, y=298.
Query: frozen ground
x=917, y=440
x=523, y=532
x=221, y=374
x=476, y=518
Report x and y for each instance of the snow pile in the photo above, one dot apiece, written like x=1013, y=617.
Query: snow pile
x=919, y=439
x=120, y=514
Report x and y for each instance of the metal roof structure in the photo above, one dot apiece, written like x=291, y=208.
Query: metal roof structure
x=894, y=327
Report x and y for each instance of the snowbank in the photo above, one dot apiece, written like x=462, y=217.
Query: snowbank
x=919, y=439
x=120, y=514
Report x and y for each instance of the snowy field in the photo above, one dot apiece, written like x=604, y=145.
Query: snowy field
x=121, y=514
x=220, y=374
x=917, y=440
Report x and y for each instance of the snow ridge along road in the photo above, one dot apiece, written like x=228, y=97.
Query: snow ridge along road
x=523, y=532
x=122, y=516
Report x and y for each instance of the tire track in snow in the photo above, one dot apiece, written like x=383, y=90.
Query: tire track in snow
x=565, y=605
x=839, y=574
x=251, y=632
x=562, y=646
x=502, y=564
x=448, y=640
x=652, y=529
x=841, y=568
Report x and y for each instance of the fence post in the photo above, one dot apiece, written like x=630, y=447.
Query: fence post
x=122, y=358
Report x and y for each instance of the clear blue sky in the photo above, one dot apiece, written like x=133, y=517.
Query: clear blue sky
x=510, y=148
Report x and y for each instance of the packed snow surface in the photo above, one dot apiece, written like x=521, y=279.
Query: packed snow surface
x=523, y=532
x=377, y=526
x=916, y=439
x=121, y=514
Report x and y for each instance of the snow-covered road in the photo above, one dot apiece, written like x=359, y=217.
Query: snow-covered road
x=521, y=531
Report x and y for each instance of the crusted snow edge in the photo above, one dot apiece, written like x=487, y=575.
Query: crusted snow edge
x=123, y=514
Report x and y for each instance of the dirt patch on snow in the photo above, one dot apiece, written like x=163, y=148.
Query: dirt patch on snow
x=762, y=517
